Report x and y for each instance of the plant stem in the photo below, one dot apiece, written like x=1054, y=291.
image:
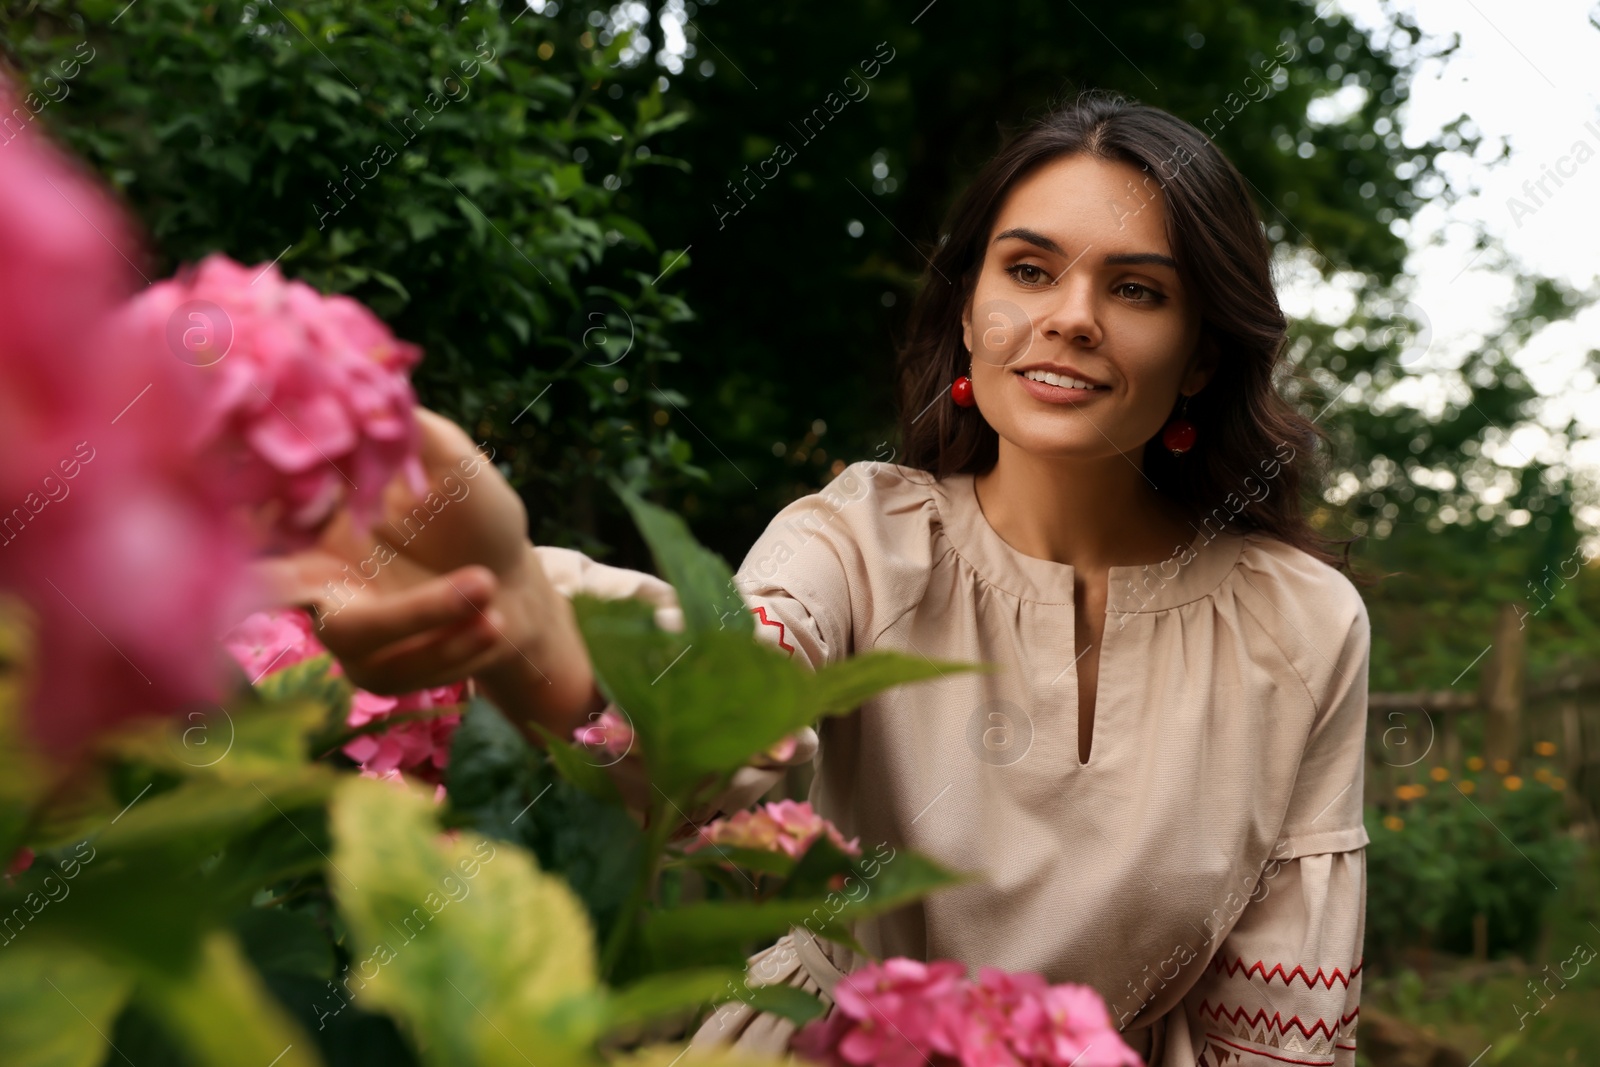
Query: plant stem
x=655, y=843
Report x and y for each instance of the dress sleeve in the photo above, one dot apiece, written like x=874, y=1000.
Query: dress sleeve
x=1284, y=986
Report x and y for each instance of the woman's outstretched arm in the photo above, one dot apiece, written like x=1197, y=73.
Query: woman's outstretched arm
x=445, y=587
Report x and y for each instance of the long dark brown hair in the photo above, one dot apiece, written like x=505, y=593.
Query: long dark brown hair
x=1245, y=427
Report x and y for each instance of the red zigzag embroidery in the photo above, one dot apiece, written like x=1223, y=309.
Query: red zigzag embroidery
x=1276, y=1022
x=761, y=612
x=1327, y=980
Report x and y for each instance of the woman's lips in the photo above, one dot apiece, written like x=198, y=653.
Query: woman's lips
x=1057, y=394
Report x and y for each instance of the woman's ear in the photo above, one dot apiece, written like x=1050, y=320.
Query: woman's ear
x=966, y=324
x=1203, y=364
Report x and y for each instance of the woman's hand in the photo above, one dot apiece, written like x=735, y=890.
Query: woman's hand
x=445, y=586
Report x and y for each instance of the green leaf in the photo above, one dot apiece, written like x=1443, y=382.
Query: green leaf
x=54, y=997
x=223, y=1013
x=486, y=959
x=284, y=942
x=23, y=777
x=475, y=219
x=241, y=744
x=671, y=262
x=750, y=859
x=139, y=889
x=574, y=765
x=629, y=229
x=720, y=933
x=663, y=124
x=700, y=577
x=847, y=684
x=666, y=994
x=311, y=680
x=501, y=786
x=791, y=1003
x=649, y=105
x=702, y=704
x=232, y=77
x=390, y=282
x=424, y=222
x=333, y=91
x=565, y=180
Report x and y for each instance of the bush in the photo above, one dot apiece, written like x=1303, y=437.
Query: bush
x=457, y=169
x=1444, y=853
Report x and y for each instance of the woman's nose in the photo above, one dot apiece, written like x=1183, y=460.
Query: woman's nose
x=1069, y=312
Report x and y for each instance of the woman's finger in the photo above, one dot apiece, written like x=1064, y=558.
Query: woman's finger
x=366, y=625
x=443, y=657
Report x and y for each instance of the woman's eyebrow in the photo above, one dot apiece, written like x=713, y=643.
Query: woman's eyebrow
x=1134, y=259
x=1034, y=237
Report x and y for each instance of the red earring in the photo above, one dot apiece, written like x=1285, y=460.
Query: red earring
x=1179, y=435
x=961, y=392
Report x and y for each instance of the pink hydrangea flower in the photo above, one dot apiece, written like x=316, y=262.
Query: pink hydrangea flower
x=610, y=732
x=130, y=564
x=306, y=403
x=902, y=1013
x=270, y=641
x=785, y=826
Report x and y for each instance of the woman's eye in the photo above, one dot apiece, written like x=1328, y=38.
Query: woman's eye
x=1028, y=274
x=1139, y=294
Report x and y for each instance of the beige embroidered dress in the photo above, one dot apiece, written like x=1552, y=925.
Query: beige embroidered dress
x=1204, y=870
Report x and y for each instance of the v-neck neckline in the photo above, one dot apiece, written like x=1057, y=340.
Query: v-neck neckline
x=1191, y=572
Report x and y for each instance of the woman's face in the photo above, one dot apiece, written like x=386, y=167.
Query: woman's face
x=1078, y=282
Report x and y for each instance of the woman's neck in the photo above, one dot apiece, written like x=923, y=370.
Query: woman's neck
x=1088, y=514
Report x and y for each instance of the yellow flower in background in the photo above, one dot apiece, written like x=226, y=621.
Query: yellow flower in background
x=1440, y=774
x=1559, y=784
x=1543, y=774
x=1474, y=763
x=1545, y=748
x=1410, y=792
x=1467, y=785
x=1394, y=822
x=1502, y=766
x=1511, y=782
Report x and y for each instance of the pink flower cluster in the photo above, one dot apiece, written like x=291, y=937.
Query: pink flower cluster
x=307, y=404
x=271, y=641
x=610, y=733
x=785, y=826
x=906, y=1013
x=125, y=556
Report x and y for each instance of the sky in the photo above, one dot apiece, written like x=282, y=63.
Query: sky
x=1525, y=75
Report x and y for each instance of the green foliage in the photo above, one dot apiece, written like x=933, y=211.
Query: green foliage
x=454, y=166
x=1438, y=860
x=465, y=917
x=221, y=888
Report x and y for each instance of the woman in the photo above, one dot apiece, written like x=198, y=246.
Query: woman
x=1100, y=492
